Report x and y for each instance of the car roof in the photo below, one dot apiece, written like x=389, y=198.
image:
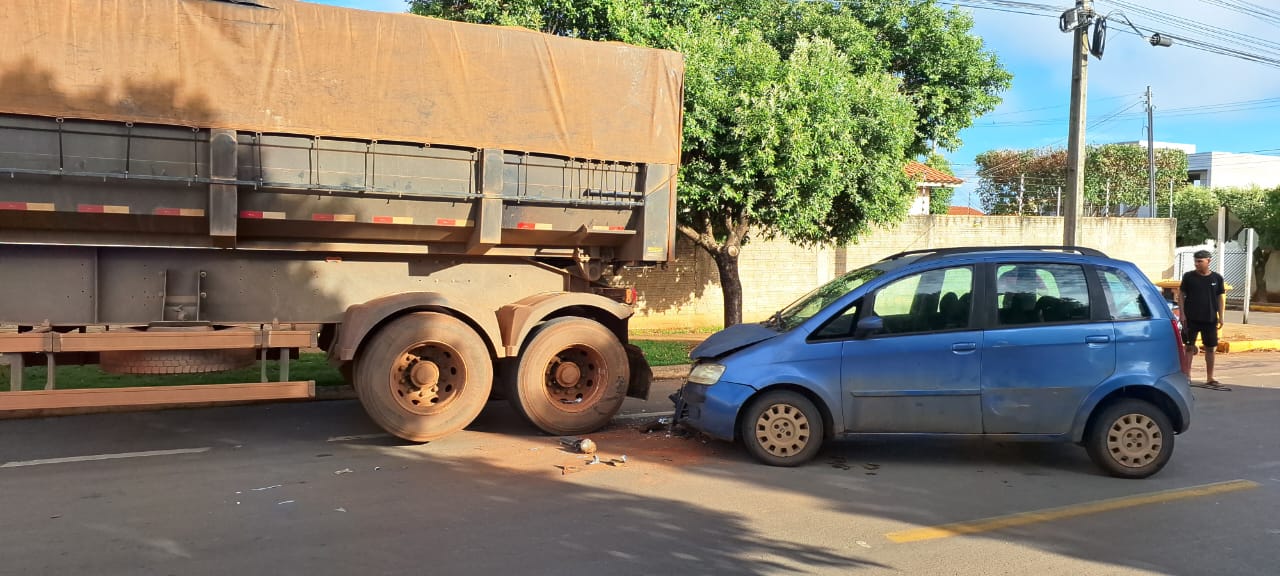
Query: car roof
x=976, y=253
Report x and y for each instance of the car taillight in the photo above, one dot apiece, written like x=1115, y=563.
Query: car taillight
x=1183, y=358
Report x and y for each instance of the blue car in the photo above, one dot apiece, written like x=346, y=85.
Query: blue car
x=1018, y=343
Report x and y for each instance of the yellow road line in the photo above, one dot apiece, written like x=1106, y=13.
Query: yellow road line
x=1049, y=514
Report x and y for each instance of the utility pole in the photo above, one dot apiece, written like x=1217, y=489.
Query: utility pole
x=1075, y=138
x=1022, y=190
x=1151, y=154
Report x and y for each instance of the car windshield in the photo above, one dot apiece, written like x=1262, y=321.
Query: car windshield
x=811, y=303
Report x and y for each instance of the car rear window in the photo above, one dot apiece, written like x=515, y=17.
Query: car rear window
x=1124, y=300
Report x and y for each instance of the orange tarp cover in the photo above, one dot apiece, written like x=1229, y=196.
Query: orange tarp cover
x=300, y=68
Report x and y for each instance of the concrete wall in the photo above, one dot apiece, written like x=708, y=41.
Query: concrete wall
x=774, y=273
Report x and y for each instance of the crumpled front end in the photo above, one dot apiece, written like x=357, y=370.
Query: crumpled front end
x=711, y=409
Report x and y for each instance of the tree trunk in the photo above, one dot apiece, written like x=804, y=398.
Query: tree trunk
x=730, y=285
x=725, y=253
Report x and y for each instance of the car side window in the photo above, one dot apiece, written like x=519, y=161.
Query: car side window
x=1124, y=300
x=931, y=301
x=1041, y=293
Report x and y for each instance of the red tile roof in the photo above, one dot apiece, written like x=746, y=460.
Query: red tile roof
x=927, y=175
x=964, y=211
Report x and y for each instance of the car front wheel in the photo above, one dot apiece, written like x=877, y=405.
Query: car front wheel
x=1130, y=439
x=782, y=428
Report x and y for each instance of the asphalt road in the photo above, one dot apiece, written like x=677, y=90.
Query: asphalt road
x=314, y=488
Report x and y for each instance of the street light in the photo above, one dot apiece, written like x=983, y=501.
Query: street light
x=1077, y=21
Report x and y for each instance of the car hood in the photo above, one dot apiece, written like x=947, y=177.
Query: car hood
x=731, y=339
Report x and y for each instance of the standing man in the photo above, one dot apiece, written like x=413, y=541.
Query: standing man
x=1202, y=302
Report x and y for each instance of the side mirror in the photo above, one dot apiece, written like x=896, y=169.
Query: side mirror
x=868, y=326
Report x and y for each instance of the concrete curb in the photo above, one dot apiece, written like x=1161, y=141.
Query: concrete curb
x=677, y=372
x=1264, y=307
x=1249, y=346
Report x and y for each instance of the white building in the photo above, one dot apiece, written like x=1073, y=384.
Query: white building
x=1225, y=169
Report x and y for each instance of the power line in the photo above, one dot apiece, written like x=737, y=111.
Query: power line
x=1248, y=9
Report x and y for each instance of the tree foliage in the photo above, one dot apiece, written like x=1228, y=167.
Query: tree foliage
x=798, y=116
x=1115, y=176
x=1194, y=207
x=940, y=197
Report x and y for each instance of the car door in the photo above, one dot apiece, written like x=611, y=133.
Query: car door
x=921, y=371
x=1047, y=346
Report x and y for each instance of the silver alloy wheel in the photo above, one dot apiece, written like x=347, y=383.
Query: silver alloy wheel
x=1134, y=440
x=782, y=430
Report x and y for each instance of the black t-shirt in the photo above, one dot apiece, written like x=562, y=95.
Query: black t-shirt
x=1200, y=296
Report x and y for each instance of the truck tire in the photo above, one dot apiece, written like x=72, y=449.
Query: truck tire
x=424, y=376
x=174, y=361
x=572, y=377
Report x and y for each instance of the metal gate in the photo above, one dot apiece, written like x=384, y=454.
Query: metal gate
x=1234, y=262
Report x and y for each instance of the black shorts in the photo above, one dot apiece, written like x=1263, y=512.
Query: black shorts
x=1208, y=333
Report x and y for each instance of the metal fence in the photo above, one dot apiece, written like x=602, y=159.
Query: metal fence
x=1235, y=269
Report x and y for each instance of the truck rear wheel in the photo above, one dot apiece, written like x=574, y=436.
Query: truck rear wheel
x=424, y=376
x=572, y=377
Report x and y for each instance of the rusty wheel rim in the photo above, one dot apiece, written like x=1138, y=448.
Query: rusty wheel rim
x=574, y=378
x=1134, y=440
x=427, y=376
x=782, y=430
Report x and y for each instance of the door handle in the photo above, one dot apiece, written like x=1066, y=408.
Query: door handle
x=964, y=347
x=1097, y=339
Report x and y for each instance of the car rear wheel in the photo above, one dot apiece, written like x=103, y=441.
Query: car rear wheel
x=782, y=428
x=1130, y=439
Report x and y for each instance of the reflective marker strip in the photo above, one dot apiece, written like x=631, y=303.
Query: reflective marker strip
x=393, y=219
x=256, y=215
x=609, y=228
x=27, y=206
x=452, y=222
x=101, y=209
x=532, y=226
x=98, y=457
x=178, y=212
x=333, y=217
x=1046, y=515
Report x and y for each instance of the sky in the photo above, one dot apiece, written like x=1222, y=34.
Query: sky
x=1034, y=111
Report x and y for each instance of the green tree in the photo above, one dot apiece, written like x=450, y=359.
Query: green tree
x=798, y=115
x=1259, y=209
x=1115, y=176
x=1194, y=207
x=1020, y=181
x=940, y=198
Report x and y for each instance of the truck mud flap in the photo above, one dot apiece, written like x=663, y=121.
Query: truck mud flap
x=641, y=373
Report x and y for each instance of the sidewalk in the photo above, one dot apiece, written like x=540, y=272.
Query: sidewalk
x=1261, y=333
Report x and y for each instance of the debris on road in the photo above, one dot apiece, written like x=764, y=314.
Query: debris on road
x=583, y=445
x=342, y=471
x=284, y=502
x=267, y=487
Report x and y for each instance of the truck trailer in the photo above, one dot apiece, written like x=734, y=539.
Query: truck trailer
x=192, y=186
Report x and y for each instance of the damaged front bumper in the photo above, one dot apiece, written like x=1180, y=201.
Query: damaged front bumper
x=712, y=410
